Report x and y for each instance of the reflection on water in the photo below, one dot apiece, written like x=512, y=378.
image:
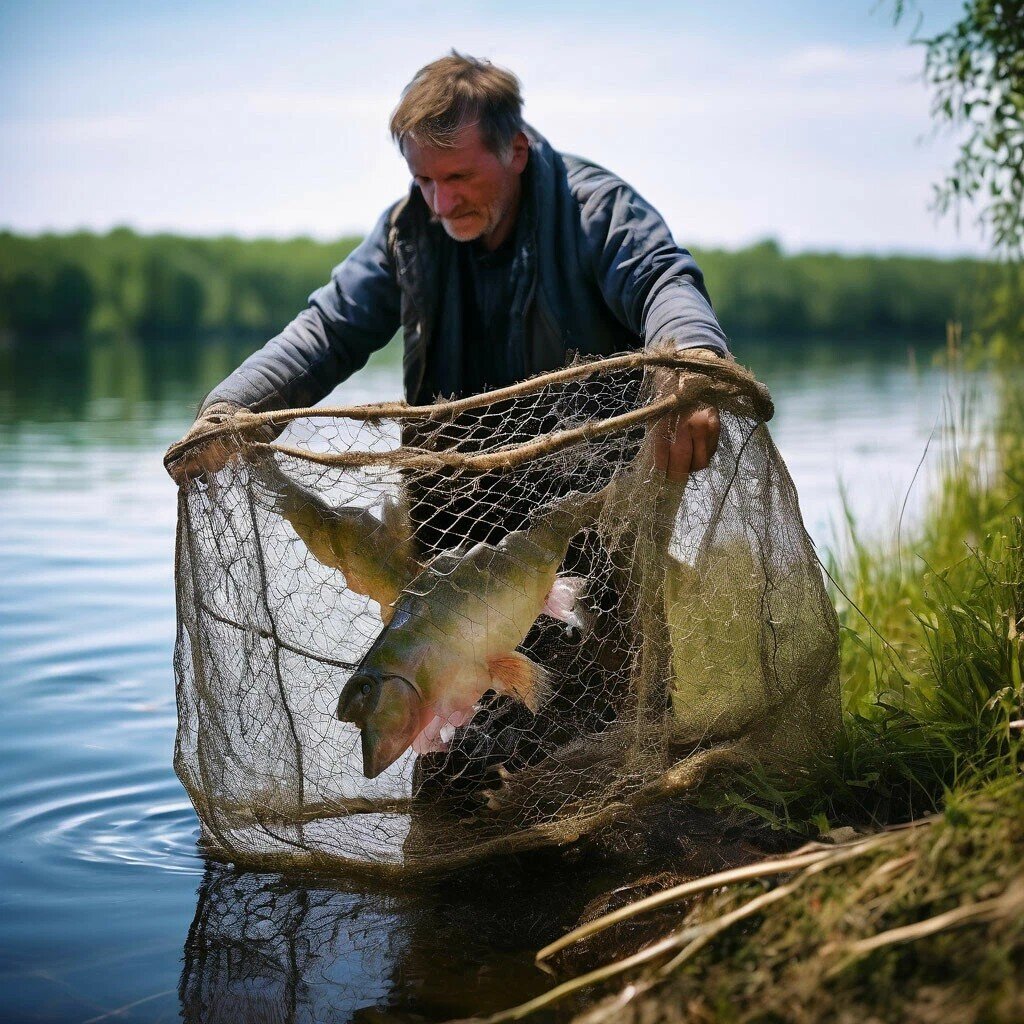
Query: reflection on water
x=97, y=841
x=266, y=948
x=117, y=379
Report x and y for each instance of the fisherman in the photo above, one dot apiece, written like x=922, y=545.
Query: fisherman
x=505, y=259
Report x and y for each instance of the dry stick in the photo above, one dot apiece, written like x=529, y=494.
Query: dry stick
x=882, y=872
x=695, y=937
x=744, y=874
x=720, y=924
x=612, y=1008
x=686, y=937
x=714, y=368
x=781, y=865
x=1009, y=903
x=709, y=932
x=724, y=371
x=836, y=856
x=553, y=995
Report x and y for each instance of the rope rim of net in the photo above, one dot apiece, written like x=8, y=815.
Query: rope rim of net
x=709, y=378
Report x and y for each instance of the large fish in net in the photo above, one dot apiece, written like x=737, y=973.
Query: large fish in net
x=411, y=638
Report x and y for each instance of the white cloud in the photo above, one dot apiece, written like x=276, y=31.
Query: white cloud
x=813, y=61
x=817, y=146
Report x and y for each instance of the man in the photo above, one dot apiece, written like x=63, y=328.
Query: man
x=505, y=259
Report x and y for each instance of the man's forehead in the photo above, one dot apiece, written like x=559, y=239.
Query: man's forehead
x=468, y=149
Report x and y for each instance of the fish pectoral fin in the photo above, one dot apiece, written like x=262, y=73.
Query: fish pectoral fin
x=437, y=734
x=517, y=676
x=563, y=603
x=429, y=740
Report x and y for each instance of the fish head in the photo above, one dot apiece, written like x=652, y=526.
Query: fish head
x=383, y=699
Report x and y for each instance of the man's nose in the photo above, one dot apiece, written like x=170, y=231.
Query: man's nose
x=446, y=201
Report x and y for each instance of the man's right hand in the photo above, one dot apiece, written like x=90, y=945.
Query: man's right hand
x=204, y=458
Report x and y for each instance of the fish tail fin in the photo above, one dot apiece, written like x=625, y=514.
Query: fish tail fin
x=519, y=677
x=563, y=603
x=304, y=509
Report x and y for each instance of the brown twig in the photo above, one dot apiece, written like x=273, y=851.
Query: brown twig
x=507, y=457
x=806, y=857
x=1008, y=904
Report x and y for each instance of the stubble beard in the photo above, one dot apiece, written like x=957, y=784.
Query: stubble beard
x=492, y=217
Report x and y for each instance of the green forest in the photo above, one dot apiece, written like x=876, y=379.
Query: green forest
x=152, y=287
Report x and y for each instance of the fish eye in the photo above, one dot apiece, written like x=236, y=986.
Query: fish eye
x=366, y=688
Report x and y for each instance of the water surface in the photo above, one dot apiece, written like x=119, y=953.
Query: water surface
x=108, y=912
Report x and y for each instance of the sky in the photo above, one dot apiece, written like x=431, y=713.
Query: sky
x=803, y=121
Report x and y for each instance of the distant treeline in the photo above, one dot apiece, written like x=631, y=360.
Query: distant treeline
x=169, y=286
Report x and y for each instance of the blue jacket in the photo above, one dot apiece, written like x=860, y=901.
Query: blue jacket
x=595, y=272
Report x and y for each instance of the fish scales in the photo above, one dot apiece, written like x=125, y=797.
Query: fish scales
x=455, y=634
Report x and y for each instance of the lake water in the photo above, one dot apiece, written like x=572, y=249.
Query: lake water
x=108, y=913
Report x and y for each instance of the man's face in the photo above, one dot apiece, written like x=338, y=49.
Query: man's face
x=467, y=187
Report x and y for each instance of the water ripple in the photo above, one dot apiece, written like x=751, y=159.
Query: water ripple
x=97, y=818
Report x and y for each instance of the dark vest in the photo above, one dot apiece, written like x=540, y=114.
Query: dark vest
x=557, y=308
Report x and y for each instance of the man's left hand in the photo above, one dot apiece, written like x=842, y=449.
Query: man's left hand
x=684, y=444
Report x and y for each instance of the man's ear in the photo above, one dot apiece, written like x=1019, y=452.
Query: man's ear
x=520, y=152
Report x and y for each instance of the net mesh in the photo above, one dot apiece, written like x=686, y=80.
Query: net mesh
x=412, y=638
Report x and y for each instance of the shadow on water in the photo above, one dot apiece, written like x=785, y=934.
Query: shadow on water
x=266, y=947
x=283, y=949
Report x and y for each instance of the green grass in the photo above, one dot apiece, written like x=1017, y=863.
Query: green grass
x=932, y=668
x=804, y=958
x=932, y=652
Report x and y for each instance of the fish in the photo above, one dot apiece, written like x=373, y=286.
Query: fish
x=376, y=556
x=455, y=634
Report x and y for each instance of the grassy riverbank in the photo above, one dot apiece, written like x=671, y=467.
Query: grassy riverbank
x=908, y=903
x=928, y=924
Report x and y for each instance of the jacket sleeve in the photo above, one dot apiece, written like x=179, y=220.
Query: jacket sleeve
x=653, y=287
x=350, y=317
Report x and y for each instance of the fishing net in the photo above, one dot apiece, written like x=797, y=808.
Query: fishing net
x=411, y=638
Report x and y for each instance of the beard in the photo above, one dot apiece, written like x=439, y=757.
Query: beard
x=480, y=223
x=466, y=229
